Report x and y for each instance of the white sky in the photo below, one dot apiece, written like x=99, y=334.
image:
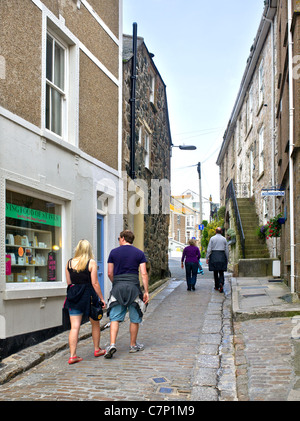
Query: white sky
x=201, y=48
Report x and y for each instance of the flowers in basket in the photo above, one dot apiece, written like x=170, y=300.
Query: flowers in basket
x=271, y=229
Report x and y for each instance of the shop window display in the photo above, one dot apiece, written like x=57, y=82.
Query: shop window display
x=33, y=239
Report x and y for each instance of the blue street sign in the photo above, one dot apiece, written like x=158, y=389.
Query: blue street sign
x=201, y=227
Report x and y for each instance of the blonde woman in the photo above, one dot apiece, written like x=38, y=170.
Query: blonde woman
x=82, y=280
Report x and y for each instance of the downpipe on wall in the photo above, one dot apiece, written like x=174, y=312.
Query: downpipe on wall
x=291, y=145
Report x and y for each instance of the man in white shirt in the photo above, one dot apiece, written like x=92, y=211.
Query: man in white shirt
x=217, y=258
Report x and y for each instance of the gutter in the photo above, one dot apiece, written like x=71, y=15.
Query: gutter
x=291, y=143
x=133, y=102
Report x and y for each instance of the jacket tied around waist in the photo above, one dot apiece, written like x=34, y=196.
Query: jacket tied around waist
x=126, y=290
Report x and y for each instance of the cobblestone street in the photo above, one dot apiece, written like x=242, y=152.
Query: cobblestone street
x=194, y=351
x=181, y=333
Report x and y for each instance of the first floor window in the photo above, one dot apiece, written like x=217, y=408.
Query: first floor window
x=33, y=239
x=261, y=150
x=55, y=84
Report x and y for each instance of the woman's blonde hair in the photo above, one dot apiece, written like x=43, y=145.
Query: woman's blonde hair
x=192, y=242
x=84, y=253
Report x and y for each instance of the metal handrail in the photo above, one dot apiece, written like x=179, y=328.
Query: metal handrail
x=230, y=194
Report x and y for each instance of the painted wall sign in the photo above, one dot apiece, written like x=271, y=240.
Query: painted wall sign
x=32, y=215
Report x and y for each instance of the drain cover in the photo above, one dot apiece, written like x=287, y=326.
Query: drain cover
x=159, y=380
x=254, y=295
x=166, y=390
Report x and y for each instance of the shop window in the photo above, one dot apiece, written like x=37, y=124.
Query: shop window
x=33, y=239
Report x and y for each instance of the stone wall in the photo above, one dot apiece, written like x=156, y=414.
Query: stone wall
x=152, y=125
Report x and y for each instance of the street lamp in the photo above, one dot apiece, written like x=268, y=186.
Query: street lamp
x=185, y=147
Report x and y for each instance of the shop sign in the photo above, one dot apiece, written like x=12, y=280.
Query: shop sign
x=51, y=267
x=266, y=192
x=7, y=264
x=32, y=215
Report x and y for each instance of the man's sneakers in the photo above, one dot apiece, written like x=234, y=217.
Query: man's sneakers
x=110, y=350
x=137, y=347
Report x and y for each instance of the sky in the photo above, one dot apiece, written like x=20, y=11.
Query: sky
x=200, y=49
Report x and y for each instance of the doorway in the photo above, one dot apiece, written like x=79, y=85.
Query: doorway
x=100, y=251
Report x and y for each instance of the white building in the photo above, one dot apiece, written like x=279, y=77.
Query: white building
x=60, y=159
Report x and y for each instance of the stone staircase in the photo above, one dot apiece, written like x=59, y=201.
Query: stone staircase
x=257, y=260
x=254, y=247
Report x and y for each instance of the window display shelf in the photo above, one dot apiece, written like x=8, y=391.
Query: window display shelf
x=27, y=254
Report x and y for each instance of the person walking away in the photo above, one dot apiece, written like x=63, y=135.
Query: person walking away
x=83, y=285
x=191, y=257
x=124, y=263
x=217, y=258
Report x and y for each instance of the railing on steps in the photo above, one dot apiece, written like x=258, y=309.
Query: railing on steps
x=231, y=194
x=242, y=190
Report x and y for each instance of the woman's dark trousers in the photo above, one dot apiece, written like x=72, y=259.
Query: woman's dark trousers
x=191, y=270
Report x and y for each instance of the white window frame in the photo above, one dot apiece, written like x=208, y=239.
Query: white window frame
x=152, y=88
x=140, y=134
x=261, y=82
x=147, y=149
x=250, y=110
x=24, y=290
x=53, y=87
x=261, y=151
x=239, y=134
x=57, y=29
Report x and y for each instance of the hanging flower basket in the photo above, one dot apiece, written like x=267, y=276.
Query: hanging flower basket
x=274, y=227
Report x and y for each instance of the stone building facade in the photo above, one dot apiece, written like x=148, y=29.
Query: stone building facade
x=60, y=90
x=247, y=155
x=260, y=147
x=147, y=195
x=288, y=136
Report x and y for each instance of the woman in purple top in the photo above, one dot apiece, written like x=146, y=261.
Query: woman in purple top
x=191, y=255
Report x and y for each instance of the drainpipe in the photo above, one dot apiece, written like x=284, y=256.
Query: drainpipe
x=132, y=102
x=291, y=144
x=273, y=125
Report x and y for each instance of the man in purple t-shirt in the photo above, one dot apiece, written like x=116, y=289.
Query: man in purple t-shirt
x=124, y=263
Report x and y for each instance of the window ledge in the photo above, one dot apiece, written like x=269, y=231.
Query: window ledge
x=23, y=291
